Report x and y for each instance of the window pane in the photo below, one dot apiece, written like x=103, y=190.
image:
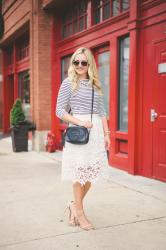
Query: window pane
x=64, y=67
x=104, y=76
x=97, y=16
x=97, y=3
x=81, y=24
x=64, y=32
x=123, y=84
x=69, y=31
x=75, y=26
x=64, y=18
x=24, y=91
x=74, y=19
x=115, y=7
x=106, y=10
x=9, y=56
x=22, y=49
x=82, y=7
x=69, y=16
x=125, y=4
x=64, y=71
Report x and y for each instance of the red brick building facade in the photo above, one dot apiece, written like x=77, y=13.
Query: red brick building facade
x=26, y=50
x=1, y=96
x=128, y=39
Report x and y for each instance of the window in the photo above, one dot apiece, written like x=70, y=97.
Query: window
x=123, y=84
x=104, y=76
x=75, y=18
x=22, y=49
x=125, y=5
x=64, y=67
x=115, y=7
x=64, y=73
x=9, y=56
x=104, y=9
x=24, y=91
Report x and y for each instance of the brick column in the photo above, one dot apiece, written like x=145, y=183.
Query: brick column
x=1, y=101
x=40, y=72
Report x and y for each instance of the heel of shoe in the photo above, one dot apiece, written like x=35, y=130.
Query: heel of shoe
x=81, y=217
x=72, y=218
x=73, y=209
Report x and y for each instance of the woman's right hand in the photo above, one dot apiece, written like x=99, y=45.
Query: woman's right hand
x=86, y=124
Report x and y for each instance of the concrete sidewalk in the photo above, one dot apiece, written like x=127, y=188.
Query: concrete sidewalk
x=129, y=212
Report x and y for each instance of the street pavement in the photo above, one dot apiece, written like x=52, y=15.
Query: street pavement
x=128, y=212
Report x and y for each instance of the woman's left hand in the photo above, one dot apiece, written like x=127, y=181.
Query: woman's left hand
x=107, y=142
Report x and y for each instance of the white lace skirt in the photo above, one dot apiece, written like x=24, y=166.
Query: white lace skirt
x=86, y=163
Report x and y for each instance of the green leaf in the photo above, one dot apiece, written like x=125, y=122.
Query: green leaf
x=17, y=114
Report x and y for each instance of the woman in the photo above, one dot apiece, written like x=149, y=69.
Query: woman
x=83, y=164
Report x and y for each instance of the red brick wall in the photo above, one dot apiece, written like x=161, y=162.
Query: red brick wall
x=28, y=12
x=17, y=15
x=40, y=56
x=7, y=4
x=1, y=104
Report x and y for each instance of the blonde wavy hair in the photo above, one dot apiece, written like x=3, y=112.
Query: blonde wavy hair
x=92, y=69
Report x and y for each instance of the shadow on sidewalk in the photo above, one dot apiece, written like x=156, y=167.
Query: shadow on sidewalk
x=2, y=135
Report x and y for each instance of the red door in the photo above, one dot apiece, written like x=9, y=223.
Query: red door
x=158, y=113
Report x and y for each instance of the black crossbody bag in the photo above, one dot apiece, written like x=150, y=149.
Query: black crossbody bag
x=79, y=134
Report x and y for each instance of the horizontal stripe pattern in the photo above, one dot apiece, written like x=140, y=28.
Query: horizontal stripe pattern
x=79, y=100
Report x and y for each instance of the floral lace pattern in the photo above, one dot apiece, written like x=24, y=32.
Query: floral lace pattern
x=86, y=163
x=90, y=173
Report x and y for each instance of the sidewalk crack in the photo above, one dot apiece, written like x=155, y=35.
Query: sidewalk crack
x=79, y=231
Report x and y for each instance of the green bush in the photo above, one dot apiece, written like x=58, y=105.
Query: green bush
x=17, y=114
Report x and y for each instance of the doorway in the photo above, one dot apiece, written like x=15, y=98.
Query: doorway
x=153, y=149
x=158, y=113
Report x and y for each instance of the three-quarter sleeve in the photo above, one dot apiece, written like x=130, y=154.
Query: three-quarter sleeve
x=102, y=111
x=63, y=98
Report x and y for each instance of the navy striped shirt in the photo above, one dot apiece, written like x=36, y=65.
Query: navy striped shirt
x=78, y=100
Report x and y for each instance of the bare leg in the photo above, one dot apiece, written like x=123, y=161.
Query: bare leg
x=79, y=193
x=86, y=188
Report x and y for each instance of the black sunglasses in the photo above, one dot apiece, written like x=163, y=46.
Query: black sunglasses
x=83, y=63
